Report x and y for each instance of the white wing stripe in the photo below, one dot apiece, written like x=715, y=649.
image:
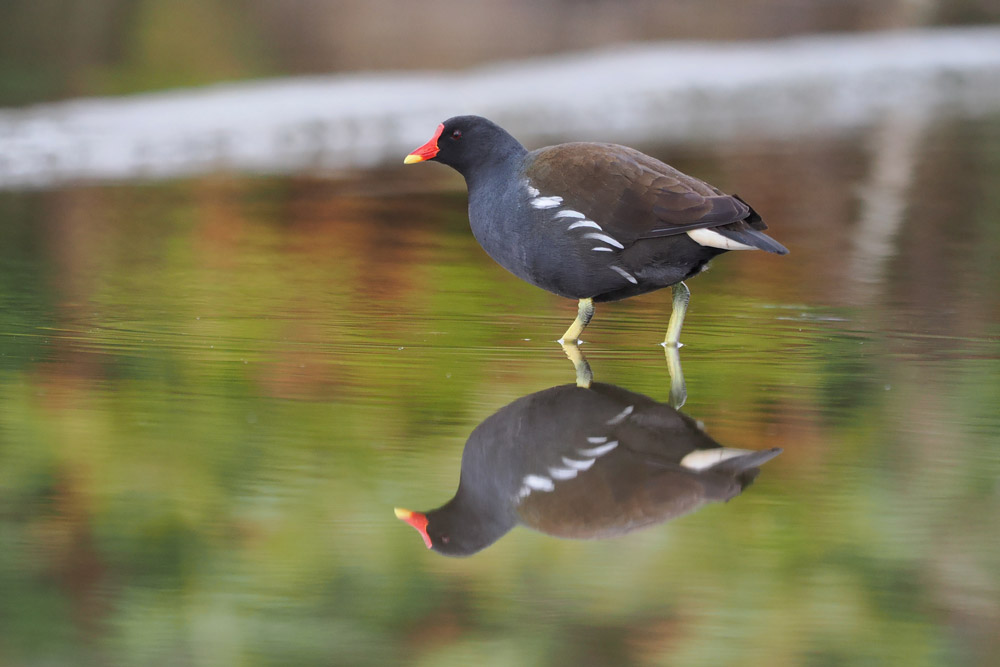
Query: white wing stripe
x=624, y=274
x=604, y=237
x=546, y=202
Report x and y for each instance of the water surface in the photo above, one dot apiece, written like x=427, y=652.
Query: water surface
x=214, y=391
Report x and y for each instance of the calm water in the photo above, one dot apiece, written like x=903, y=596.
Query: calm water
x=213, y=393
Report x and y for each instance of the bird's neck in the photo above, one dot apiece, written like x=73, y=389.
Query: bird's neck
x=499, y=164
x=482, y=518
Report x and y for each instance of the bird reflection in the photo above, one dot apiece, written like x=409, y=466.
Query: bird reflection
x=582, y=463
x=585, y=376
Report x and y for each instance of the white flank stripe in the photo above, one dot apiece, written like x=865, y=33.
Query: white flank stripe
x=563, y=473
x=620, y=417
x=584, y=223
x=604, y=237
x=625, y=274
x=578, y=465
x=597, y=439
x=546, y=202
x=602, y=249
x=570, y=213
x=707, y=237
x=538, y=483
x=700, y=459
x=598, y=451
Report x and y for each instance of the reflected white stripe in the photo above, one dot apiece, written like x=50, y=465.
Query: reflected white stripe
x=604, y=237
x=579, y=465
x=533, y=192
x=621, y=415
x=597, y=439
x=538, y=483
x=563, y=473
x=584, y=223
x=602, y=249
x=569, y=213
x=598, y=451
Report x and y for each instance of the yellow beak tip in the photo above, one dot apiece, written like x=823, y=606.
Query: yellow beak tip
x=401, y=513
x=412, y=159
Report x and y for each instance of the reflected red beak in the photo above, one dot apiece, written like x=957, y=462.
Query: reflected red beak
x=417, y=520
x=427, y=151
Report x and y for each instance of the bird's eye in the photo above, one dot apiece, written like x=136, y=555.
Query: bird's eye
x=456, y=134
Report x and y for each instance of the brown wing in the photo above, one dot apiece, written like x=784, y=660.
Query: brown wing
x=614, y=501
x=631, y=194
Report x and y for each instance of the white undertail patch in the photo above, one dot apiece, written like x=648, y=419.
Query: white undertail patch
x=711, y=239
x=702, y=459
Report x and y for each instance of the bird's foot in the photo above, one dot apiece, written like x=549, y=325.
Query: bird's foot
x=678, y=389
x=584, y=376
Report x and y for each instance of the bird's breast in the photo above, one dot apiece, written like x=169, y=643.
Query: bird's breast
x=539, y=238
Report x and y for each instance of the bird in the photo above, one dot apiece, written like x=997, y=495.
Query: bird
x=582, y=463
x=594, y=222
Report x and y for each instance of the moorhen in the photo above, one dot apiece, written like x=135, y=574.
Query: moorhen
x=582, y=463
x=591, y=221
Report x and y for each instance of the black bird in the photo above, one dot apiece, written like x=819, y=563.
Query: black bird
x=591, y=221
x=582, y=463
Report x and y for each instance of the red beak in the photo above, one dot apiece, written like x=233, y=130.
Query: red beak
x=417, y=520
x=427, y=151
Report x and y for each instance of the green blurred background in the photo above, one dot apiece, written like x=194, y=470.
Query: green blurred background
x=214, y=390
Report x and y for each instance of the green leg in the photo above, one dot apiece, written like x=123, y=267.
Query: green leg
x=678, y=390
x=682, y=295
x=584, y=376
x=584, y=312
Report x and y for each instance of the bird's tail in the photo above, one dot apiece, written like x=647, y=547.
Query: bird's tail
x=740, y=232
x=745, y=468
x=741, y=464
x=750, y=232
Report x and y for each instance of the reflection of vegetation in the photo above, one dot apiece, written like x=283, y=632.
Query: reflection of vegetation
x=213, y=393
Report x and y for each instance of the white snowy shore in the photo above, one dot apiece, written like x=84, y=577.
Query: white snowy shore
x=633, y=93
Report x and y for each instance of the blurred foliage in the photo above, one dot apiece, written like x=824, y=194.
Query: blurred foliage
x=212, y=393
x=53, y=49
